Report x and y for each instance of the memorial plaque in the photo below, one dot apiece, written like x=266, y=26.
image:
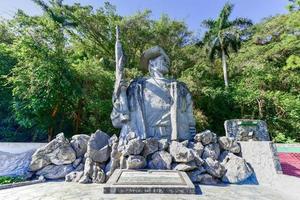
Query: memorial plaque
x=152, y=181
x=247, y=129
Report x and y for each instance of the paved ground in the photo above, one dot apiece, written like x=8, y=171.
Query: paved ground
x=68, y=191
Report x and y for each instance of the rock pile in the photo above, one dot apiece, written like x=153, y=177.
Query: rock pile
x=207, y=159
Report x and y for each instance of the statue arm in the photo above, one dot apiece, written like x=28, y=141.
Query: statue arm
x=120, y=112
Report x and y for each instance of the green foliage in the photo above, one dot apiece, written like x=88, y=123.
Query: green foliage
x=294, y=5
x=8, y=180
x=57, y=69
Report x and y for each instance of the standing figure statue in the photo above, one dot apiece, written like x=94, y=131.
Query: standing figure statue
x=152, y=106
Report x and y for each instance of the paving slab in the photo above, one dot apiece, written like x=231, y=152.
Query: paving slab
x=71, y=191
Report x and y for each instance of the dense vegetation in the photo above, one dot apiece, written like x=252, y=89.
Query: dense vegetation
x=57, y=70
x=9, y=180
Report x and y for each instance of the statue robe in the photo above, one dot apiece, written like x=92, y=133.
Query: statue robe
x=159, y=108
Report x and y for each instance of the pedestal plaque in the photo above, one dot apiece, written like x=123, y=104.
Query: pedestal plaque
x=152, y=181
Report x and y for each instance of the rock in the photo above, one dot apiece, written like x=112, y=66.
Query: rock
x=98, y=175
x=180, y=153
x=74, y=176
x=135, y=162
x=211, y=151
x=98, y=148
x=77, y=162
x=114, y=162
x=85, y=179
x=237, y=169
x=185, y=166
x=205, y=137
x=163, y=144
x=185, y=143
x=15, y=164
x=113, y=139
x=205, y=179
x=80, y=167
x=214, y=168
x=58, y=152
x=79, y=144
x=134, y=147
x=160, y=160
x=197, y=148
x=195, y=173
x=55, y=171
x=151, y=146
x=229, y=144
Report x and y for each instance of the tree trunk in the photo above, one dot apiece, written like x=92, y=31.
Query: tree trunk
x=50, y=134
x=224, y=64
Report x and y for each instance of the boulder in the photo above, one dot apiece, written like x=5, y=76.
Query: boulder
x=135, y=162
x=98, y=175
x=55, y=171
x=98, y=148
x=160, y=160
x=163, y=144
x=15, y=164
x=185, y=166
x=205, y=137
x=134, y=147
x=229, y=144
x=180, y=153
x=195, y=173
x=214, y=167
x=79, y=144
x=74, y=176
x=114, y=162
x=237, y=169
x=58, y=152
x=151, y=146
x=205, y=179
x=211, y=151
x=77, y=162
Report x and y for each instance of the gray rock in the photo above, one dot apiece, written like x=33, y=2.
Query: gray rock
x=77, y=162
x=79, y=144
x=195, y=173
x=237, y=169
x=163, y=144
x=134, y=147
x=58, y=152
x=214, y=167
x=101, y=155
x=211, y=151
x=160, y=160
x=55, y=171
x=113, y=139
x=229, y=144
x=98, y=148
x=74, y=176
x=205, y=137
x=197, y=148
x=206, y=179
x=15, y=164
x=80, y=167
x=180, y=153
x=151, y=146
x=114, y=162
x=136, y=162
x=98, y=175
x=185, y=166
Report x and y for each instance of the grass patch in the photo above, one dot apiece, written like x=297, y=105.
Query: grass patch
x=8, y=180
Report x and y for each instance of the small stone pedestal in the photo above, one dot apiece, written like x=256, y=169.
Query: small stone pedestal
x=152, y=181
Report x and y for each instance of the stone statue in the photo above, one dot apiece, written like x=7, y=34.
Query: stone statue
x=152, y=106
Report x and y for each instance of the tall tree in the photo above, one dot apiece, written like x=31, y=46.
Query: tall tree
x=224, y=35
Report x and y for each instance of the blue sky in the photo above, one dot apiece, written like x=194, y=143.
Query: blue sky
x=191, y=11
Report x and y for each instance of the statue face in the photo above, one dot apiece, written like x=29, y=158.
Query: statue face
x=159, y=64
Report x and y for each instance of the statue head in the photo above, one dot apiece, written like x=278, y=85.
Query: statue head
x=155, y=59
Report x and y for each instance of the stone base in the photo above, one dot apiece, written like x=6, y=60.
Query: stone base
x=152, y=181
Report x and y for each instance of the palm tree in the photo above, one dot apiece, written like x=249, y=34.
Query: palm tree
x=224, y=36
